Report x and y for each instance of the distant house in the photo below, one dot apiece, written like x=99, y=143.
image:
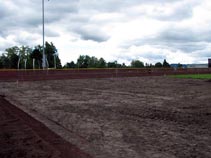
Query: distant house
x=189, y=66
x=208, y=65
x=197, y=65
x=175, y=66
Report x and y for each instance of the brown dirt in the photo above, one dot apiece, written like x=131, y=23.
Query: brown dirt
x=21, y=136
x=149, y=117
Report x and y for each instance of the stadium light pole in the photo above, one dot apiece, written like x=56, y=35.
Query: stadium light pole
x=43, y=35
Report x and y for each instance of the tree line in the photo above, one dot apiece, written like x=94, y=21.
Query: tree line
x=25, y=57
x=85, y=61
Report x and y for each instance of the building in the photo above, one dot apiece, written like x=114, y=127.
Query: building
x=175, y=66
x=197, y=65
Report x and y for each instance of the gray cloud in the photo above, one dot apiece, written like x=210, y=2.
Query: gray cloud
x=51, y=33
x=118, y=5
x=180, y=13
x=184, y=39
x=92, y=20
x=147, y=56
x=178, y=35
x=26, y=16
x=92, y=33
x=163, y=10
x=3, y=12
x=57, y=10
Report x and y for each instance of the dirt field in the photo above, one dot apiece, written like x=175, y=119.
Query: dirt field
x=22, y=136
x=149, y=117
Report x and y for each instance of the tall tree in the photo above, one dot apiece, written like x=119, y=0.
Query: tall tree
x=5, y=62
x=83, y=61
x=123, y=65
x=92, y=62
x=52, y=55
x=58, y=61
x=37, y=56
x=179, y=65
x=24, y=55
x=1, y=64
x=12, y=55
x=158, y=65
x=112, y=64
x=50, y=51
x=70, y=65
x=166, y=64
x=101, y=63
x=137, y=64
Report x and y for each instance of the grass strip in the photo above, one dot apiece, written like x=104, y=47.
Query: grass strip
x=193, y=76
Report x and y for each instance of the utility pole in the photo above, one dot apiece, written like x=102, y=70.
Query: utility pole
x=43, y=35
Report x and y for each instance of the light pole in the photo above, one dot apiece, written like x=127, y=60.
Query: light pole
x=43, y=35
x=19, y=59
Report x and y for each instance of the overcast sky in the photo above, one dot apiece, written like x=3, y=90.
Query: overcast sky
x=123, y=30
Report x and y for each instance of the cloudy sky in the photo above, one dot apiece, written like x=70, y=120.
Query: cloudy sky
x=123, y=30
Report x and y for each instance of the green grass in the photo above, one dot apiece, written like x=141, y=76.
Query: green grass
x=193, y=76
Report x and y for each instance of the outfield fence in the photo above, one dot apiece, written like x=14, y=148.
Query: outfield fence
x=28, y=75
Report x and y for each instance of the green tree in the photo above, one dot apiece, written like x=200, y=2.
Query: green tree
x=83, y=61
x=123, y=65
x=1, y=64
x=13, y=61
x=137, y=64
x=112, y=64
x=180, y=65
x=92, y=62
x=50, y=51
x=51, y=55
x=70, y=65
x=12, y=55
x=158, y=65
x=58, y=61
x=101, y=63
x=5, y=62
x=166, y=64
x=24, y=56
x=37, y=55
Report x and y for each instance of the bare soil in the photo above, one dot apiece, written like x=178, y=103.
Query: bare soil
x=21, y=136
x=149, y=117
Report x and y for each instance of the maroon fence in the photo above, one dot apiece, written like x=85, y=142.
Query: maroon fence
x=27, y=75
